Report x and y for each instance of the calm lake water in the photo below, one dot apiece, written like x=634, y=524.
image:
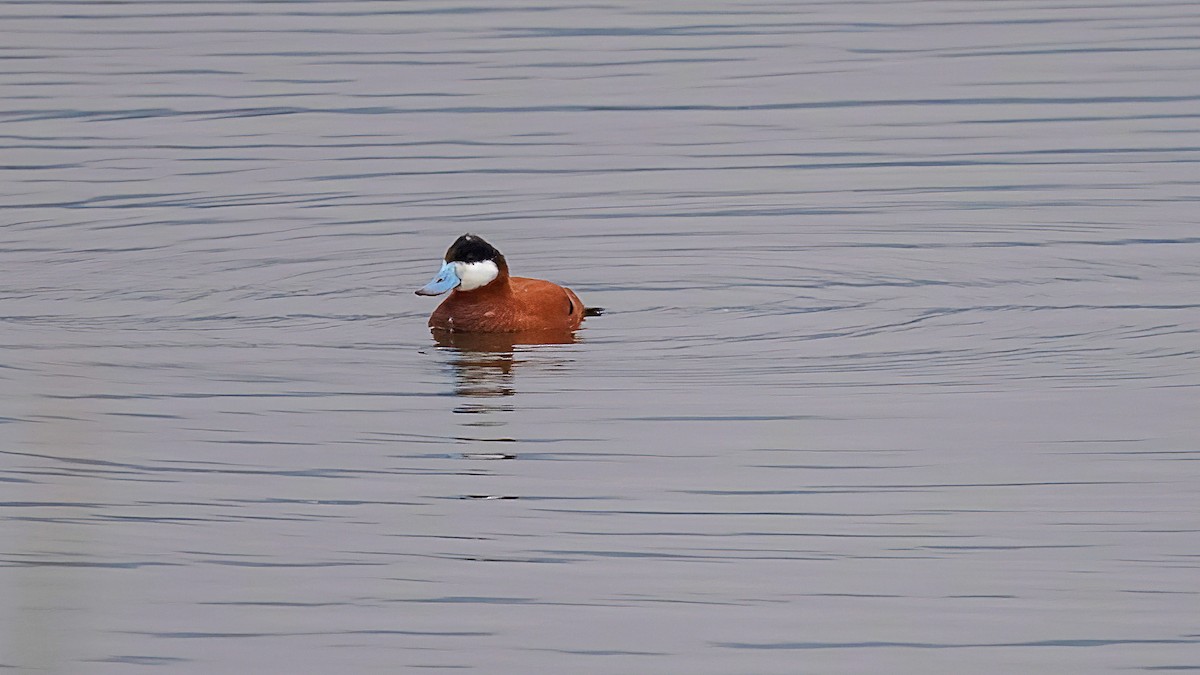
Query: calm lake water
x=900, y=371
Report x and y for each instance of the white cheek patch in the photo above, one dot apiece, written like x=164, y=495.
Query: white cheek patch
x=476, y=275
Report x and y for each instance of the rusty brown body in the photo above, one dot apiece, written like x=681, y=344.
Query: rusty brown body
x=510, y=305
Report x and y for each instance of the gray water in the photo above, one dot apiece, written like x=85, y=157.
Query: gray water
x=899, y=372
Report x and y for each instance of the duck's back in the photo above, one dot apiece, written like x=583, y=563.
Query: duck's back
x=553, y=306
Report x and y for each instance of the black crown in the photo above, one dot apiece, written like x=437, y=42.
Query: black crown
x=471, y=248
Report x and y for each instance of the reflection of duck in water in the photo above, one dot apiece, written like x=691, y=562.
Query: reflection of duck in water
x=485, y=299
x=501, y=343
x=483, y=362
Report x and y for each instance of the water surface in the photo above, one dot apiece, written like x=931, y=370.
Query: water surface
x=899, y=373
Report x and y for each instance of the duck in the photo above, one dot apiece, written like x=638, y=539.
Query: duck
x=484, y=298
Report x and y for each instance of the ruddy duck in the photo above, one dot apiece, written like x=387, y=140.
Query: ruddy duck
x=485, y=299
